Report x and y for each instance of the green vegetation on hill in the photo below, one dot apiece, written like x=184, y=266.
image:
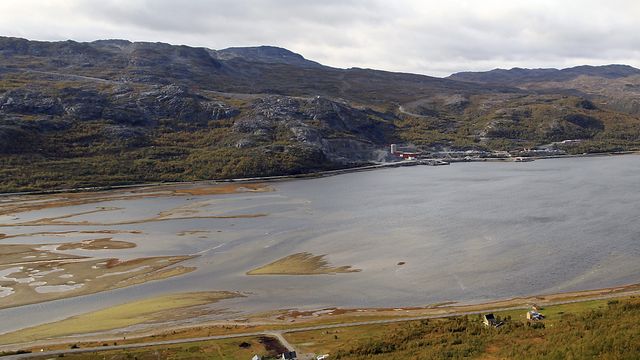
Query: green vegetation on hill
x=607, y=333
x=599, y=329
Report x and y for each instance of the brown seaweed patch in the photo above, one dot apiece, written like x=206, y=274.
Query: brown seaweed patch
x=55, y=221
x=301, y=264
x=25, y=203
x=157, y=275
x=58, y=279
x=14, y=254
x=63, y=233
x=111, y=263
x=97, y=244
x=224, y=189
x=241, y=216
x=193, y=232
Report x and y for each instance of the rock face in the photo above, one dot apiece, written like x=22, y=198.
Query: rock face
x=83, y=104
x=172, y=101
x=122, y=105
x=220, y=111
x=264, y=54
x=26, y=101
x=342, y=133
x=127, y=115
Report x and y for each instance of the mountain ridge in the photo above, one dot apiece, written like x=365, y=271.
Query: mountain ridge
x=114, y=112
x=518, y=74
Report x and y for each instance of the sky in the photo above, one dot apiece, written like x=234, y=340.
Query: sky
x=432, y=37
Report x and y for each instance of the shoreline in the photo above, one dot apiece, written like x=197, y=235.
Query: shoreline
x=310, y=175
x=302, y=321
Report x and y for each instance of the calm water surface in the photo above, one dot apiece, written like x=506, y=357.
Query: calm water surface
x=466, y=232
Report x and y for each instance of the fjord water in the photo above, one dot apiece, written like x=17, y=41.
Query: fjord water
x=466, y=232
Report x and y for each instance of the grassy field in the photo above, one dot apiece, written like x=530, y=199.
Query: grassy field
x=231, y=349
x=334, y=340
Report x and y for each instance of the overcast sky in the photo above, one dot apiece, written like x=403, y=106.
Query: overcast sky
x=433, y=37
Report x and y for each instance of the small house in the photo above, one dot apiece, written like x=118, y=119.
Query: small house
x=409, y=156
x=489, y=320
x=534, y=315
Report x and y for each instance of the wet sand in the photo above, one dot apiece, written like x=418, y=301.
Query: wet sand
x=148, y=311
x=301, y=264
x=46, y=279
x=97, y=244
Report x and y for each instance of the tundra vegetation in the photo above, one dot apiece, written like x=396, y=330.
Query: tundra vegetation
x=604, y=333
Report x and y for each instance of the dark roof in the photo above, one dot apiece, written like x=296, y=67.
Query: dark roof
x=290, y=355
x=489, y=317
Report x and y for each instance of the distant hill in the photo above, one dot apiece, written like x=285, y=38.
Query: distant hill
x=617, y=86
x=115, y=112
x=519, y=76
x=264, y=54
x=247, y=70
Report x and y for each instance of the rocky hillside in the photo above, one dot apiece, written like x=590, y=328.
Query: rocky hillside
x=616, y=87
x=114, y=112
x=264, y=54
x=518, y=76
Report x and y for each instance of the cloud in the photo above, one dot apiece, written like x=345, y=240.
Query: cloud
x=423, y=36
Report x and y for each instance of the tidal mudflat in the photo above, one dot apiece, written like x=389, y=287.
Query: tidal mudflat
x=301, y=264
x=401, y=237
x=160, y=309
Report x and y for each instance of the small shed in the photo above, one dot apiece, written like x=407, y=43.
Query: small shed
x=534, y=315
x=489, y=320
x=289, y=355
x=256, y=357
